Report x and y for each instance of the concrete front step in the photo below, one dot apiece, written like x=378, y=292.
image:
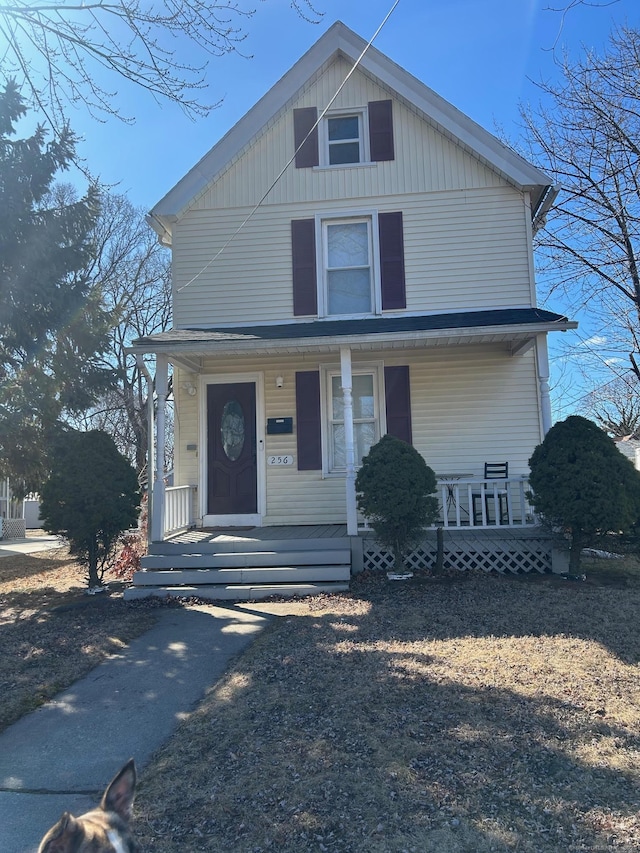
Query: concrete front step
x=247, y=592
x=231, y=545
x=339, y=556
x=244, y=575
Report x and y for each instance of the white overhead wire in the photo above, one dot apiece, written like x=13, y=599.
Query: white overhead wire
x=293, y=156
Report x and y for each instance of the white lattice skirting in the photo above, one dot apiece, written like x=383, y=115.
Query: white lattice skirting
x=488, y=551
x=13, y=528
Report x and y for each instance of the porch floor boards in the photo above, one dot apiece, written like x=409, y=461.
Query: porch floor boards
x=259, y=534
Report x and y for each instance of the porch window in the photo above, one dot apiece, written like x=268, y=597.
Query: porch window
x=366, y=420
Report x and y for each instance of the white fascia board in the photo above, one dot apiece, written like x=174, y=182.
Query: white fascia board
x=340, y=39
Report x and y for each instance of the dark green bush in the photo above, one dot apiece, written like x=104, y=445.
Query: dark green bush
x=395, y=489
x=90, y=498
x=582, y=485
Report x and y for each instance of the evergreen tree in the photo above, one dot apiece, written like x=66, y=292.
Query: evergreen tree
x=90, y=498
x=395, y=489
x=582, y=484
x=52, y=322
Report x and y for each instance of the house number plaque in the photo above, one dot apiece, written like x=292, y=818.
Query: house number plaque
x=279, y=460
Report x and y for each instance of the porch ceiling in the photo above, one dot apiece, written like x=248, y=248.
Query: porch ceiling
x=515, y=328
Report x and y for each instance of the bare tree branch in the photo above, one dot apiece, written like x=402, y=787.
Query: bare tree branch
x=587, y=136
x=61, y=50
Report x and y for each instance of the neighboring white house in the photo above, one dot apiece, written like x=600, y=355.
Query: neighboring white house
x=344, y=266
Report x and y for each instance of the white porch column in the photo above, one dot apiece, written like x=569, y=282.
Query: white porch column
x=162, y=385
x=150, y=441
x=542, y=358
x=347, y=394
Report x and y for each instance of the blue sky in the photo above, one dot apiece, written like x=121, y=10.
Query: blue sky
x=483, y=56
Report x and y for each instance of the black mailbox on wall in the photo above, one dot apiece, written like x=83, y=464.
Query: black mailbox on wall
x=279, y=426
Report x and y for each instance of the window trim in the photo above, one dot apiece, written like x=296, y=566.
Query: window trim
x=327, y=372
x=333, y=218
x=362, y=114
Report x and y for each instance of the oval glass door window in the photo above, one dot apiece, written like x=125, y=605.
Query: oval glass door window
x=232, y=429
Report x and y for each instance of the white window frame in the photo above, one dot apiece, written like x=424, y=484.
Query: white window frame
x=322, y=221
x=363, y=138
x=375, y=369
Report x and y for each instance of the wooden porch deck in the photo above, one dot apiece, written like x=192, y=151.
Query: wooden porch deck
x=258, y=534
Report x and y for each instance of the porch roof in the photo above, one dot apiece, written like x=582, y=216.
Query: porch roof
x=515, y=327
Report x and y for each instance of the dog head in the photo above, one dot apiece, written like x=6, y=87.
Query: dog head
x=102, y=830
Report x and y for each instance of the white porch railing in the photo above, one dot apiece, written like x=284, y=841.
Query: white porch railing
x=485, y=503
x=178, y=508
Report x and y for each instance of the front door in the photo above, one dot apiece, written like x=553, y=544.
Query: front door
x=232, y=481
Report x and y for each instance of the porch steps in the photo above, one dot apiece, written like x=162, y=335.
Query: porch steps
x=243, y=568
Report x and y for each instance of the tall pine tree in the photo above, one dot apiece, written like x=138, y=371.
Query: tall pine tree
x=53, y=326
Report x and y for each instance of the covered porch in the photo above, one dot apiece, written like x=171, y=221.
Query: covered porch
x=467, y=500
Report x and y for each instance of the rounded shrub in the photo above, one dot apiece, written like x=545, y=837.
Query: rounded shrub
x=582, y=484
x=394, y=490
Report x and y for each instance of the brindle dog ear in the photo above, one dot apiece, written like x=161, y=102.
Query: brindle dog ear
x=62, y=837
x=121, y=791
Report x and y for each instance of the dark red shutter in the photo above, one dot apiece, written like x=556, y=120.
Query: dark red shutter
x=392, y=261
x=303, y=122
x=303, y=255
x=381, y=130
x=397, y=393
x=308, y=433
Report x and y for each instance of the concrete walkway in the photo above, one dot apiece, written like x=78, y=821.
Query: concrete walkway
x=61, y=756
x=29, y=545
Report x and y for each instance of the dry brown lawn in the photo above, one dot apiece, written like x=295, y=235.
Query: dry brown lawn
x=51, y=632
x=468, y=713
x=475, y=714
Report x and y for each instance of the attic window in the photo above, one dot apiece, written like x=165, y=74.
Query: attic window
x=344, y=139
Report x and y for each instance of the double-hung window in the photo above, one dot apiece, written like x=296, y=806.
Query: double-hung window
x=366, y=417
x=348, y=266
x=345, y=139
x=353, y=135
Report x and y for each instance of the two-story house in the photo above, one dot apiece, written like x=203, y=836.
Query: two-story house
x=353, y=258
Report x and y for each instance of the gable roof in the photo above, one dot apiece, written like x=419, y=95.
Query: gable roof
x=340, y=41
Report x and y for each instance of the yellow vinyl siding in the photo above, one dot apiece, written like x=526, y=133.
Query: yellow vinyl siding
x=464, y=250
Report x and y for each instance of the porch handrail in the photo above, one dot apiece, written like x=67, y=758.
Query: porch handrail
x=456, y=498
x=178, y=508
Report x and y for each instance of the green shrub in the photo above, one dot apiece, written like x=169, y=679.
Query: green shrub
x=395, y=489
x=90, y=498
x=582, y=485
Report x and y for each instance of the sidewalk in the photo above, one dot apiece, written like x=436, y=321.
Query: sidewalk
x=62, y=756
x=29, y=545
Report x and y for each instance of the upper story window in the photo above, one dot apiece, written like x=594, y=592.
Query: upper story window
x=348, y=265
x=359, y=135
x=348, y=270
x=345, y=142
